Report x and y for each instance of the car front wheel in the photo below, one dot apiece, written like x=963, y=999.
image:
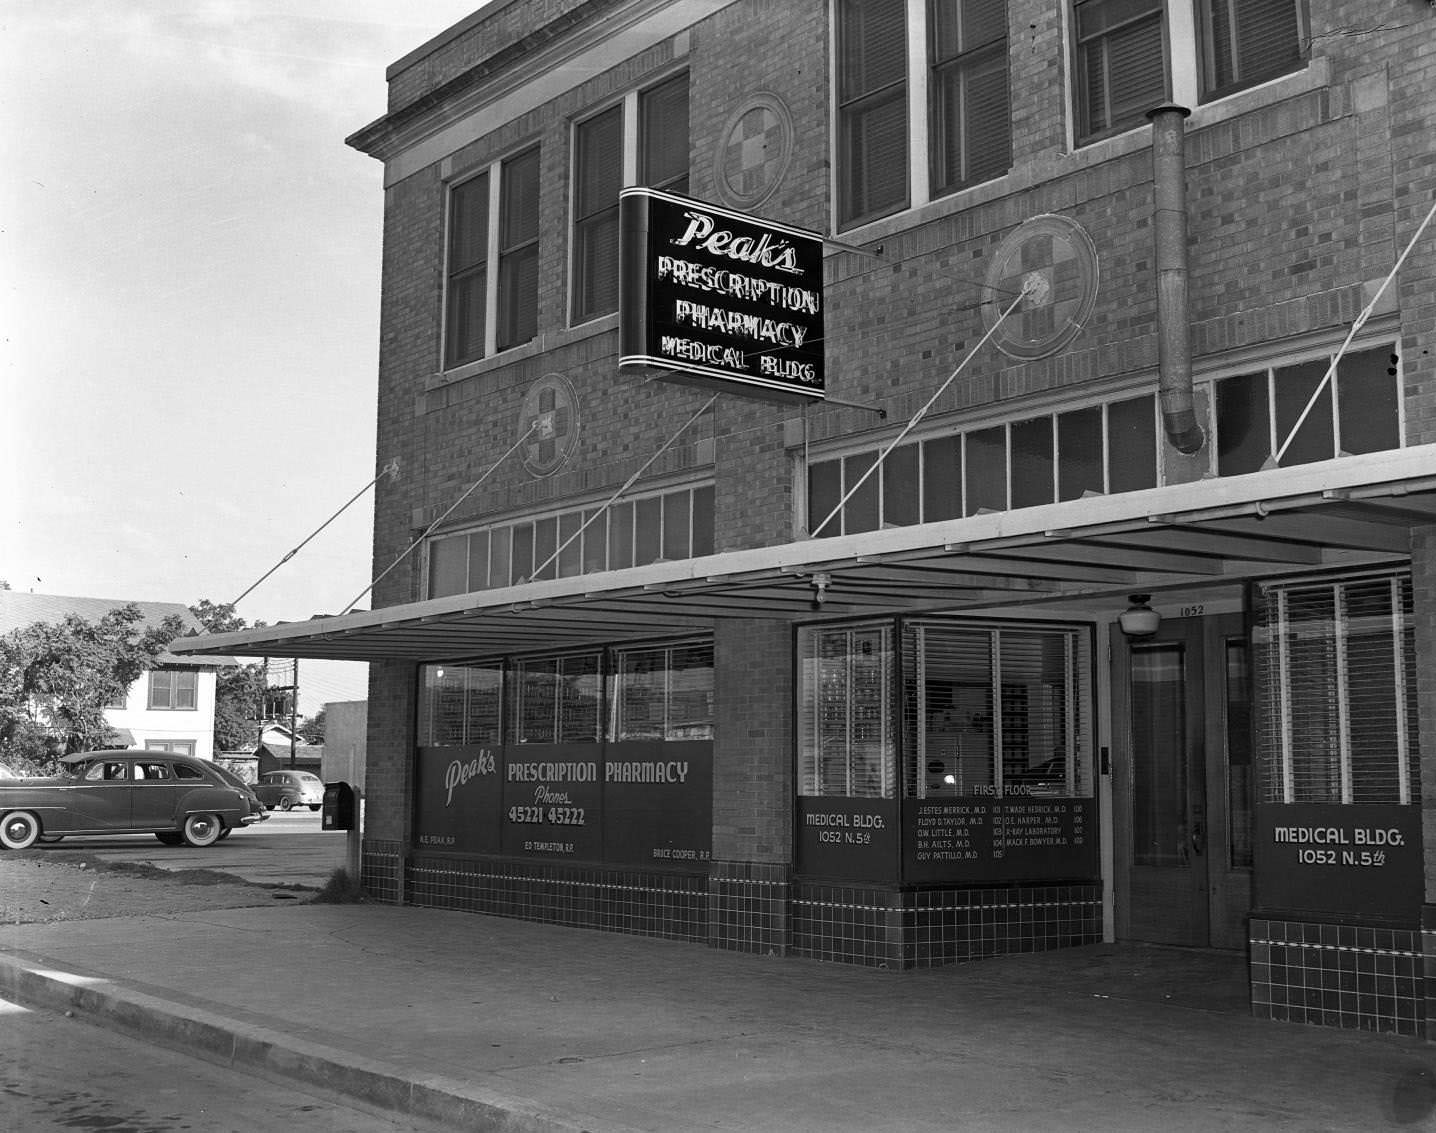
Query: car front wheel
x=202, y=829
x=19, y=830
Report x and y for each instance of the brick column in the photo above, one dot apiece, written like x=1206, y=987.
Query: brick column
x=752, y=787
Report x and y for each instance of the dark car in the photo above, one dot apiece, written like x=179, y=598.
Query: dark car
x=288, y=789
x=177, y=798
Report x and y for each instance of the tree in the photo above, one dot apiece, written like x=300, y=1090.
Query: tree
x=239, y=689
x=57, y=679
x=311, y=728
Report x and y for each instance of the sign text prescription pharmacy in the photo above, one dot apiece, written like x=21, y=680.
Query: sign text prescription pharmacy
x=711, y=293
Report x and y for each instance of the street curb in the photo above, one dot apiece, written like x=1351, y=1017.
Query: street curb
x=245, y=1046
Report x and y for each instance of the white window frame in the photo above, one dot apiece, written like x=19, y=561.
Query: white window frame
x=495, y=172
x=1182, y=45
x=919, y=129
x=630, y=115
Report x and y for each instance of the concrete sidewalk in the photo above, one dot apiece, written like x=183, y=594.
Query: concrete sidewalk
x=472, y=1022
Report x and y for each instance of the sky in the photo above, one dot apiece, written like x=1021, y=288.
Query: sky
x=189, y=299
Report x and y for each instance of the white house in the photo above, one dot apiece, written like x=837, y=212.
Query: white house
x=170, y=708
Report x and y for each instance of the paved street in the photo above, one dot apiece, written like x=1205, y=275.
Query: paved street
x=61, y=1073
x=289, y=849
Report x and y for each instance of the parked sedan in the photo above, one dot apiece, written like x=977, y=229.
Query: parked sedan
x=288, y=789
x=177, y=798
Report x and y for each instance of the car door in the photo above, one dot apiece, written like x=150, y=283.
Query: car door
x=99, y=799
x=154, y=795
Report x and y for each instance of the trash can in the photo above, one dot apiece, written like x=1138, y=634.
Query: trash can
x=338, y=811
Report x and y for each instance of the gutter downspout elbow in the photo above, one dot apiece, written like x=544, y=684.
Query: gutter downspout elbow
x=1169, y=226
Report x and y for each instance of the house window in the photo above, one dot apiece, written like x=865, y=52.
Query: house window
x=492, y=285
x=177, y=747
x=923, y=108
x=664, y=693
x=1357, y=411
x=1056, y=456
x=673, y=525
x=173, y=689
x=1337, y=663
x=846, y=733
x=608, y=156
x=1132, y=55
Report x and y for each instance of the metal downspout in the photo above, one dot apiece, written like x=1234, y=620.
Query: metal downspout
x=1169, y=225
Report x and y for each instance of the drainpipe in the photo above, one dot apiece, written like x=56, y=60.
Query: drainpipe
x=1174, y=346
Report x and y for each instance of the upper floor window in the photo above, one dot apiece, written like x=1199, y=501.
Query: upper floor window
x=173, y=689
x=607, y=155
x=922, y=101
x=492, y=284
x=1132, y=55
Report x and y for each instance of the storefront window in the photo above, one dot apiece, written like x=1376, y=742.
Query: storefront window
x=664, y=694
x=558, y=700
x=846, y=735
x=459, y=704
x=995, y=712
x=1337, y=660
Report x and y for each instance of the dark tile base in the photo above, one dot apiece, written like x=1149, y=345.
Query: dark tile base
x=892, y=928
x=1363, y=978
x=750, y=907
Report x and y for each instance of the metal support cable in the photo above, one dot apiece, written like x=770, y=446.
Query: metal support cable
x=627, y=484
x=390, y=469
x=1351, y=334
x=428, y=530
x=921, y=413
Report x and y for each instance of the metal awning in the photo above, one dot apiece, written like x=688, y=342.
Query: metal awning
x=1349, y=512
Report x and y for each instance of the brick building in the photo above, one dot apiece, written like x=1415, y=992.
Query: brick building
x=1081, y=589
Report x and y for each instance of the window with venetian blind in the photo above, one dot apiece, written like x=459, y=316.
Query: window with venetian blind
x=600, y=161
x=491, y=285
x=1337, y=669
x=846, y=728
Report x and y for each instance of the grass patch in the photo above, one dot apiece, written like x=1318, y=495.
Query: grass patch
x=340, y=889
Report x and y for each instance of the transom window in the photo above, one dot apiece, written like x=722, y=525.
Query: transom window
x=1132, y=55
x=607, y=155
x=1057, y=456
x=492, y=284
x=923, y=107
x=173, y=689
x=671, y=525
x=1358, y=411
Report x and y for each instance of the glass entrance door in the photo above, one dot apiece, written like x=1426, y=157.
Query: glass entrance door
x=1183, y=784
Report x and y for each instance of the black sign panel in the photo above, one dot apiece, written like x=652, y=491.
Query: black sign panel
x=1323, y=857
x=457, y=798
x=714, y=295
x=658, y=804
x=848, y=839
x=553, y=801
x=1008, y=839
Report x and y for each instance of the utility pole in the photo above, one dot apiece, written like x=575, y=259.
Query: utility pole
x=294, y=714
